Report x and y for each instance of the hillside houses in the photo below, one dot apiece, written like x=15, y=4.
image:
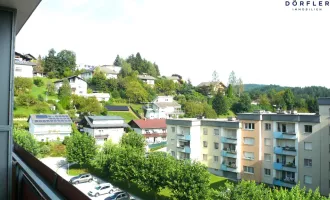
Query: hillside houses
x=77, y=84
x=149, y=80
x=23, y=66
x=163, y=107
x=154, y=130
x=110, y=71
x=209, y=87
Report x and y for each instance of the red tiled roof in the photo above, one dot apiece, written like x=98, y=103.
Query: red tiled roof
x=151, y=123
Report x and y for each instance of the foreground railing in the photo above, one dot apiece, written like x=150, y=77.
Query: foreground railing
x=34, y=180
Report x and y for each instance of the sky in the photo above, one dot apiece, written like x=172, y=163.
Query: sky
x=263, y=42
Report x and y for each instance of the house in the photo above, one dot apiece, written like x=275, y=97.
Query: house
x=86, y=75
x=147, y=79
x=104, y=128
x=49, y=127
x=163, y=107
x=210, y=87
x=29, y=56
x=99, y=96
x=154, y=130
x=23, y=68
x=175, y=79
x=37, y=73
x=255, y=102
x=77, y=84
x=111, y=71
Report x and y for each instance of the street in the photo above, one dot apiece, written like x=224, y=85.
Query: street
x=60, y=165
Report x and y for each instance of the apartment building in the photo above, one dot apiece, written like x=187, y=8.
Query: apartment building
x=279, y=149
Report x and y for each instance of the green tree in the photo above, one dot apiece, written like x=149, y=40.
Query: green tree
x=80, y=148
x=209, y=111
x=264, y=102
x=240, y=86
x=25, y=100
x=51, y=90
x=66, y=61
x=165, y=86
x=117, y=61
x=230, y=92
x=65, y=91
x=133, y=140
x=243, y=105
x=288, y=98
x=50, y=62
x=232, y=80
x=220, y=104
x=26, y=140
x=22, y=85
x=193, y=109
x=99, y=80
x=135, y=92
x=38, y=82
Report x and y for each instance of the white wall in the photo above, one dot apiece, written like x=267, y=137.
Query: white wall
x=108, y=121
x=114, y=134
x=78, y=84
x=52, y=132
x=25, y=71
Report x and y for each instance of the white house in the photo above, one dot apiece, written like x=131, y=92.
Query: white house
x=111, y=71
x=99, y=96
x=49, y=127
x=104, y=128
x=88, y=74
x=77, y=84
x=147, y=79
x=23, y=68
x=163, y=107
x=154, y=130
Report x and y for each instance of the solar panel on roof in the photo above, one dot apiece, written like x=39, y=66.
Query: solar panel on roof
x=41, y=116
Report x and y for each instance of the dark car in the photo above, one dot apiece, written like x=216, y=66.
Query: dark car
x=118, y=196
x=81, y=178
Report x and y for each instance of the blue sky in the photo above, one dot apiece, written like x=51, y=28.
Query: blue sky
x=262, y=41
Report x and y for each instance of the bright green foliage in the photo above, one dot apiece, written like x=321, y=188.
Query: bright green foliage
x=135, y=92
x=264, y=102
x=41, y=107
x=133, y=140
x=220, y=104
x=80, y=148
x=165, y=86
x=230, y=92
x=288, y=98
x=51, y=90
x=25, y=100
x=60, y=65
x=65, y=91
x=189, y=180
x=99, y=80
x=87, y=106
x=22, y=85
x=243, y=105
x=126, y=69
x=193, y=109
x=26, y=140
x=38, y=82
x=209, y=111
x=117, y=61
x=142, y=65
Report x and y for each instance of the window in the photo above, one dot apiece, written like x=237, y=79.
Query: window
x=216, y=158
x=204, y=144
x=308, y=179
x=205, y=157
x=268, y=126
x=249, y=126
x=307, y=162
x=216, y=131
x=205, y=131
x=248, y=140
x=268, y=142
x=267, y=172
x=216, y=145
x=308, y=145
x=248, y=155
x=308, y=129
x=173, y=129
x=248, y=169
x=267, y=157
x=173, y=153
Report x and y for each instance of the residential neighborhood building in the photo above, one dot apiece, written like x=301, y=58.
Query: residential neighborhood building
x=149, y=80
x=23, y=68
x=99, y=96
x=212, y=86
x=279, y=149
x=38, y=73
x=154, y=130
x=175, y=79
x=50, y=127
x=77, y=84
x=86, y=75
x=111, y=71
x=163, y=107
x=104, y=128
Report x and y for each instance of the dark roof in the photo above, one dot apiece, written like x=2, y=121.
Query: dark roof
x=30, y=56
x=71, y=77
x=324, y=101
x=149, y=123
x=22, y=56
x=50, y=119
x=117, y=108
x=90, y=119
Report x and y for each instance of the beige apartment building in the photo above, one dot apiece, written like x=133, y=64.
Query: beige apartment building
x=279, y=149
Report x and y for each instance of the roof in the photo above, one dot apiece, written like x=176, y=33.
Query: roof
x=146, y=77
x=43, y=119
x=108, y=70
x=18, y=62
x=324, y=101
x=202, y=84
x=90, y=119
x=68, y=79
x=30, y=56
x=117, y=108
x=149, y=123
x=167, y=104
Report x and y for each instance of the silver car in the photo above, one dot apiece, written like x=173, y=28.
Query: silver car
x=82, y=178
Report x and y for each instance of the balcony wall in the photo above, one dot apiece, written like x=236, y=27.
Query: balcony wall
x=184, y=137
x=228, y=140
x=228, y=154
x=228, y=168
x=280, y=150
x=281, y=135
x=281, y=167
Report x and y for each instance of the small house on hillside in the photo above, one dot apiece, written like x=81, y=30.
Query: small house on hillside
x=104, y=128
x=111, y=71
x=212, y=87
x=154, y=130
x=49, y=127
x=77, y=84
x=147, y=79
x=99, y=96
x=163, y=107
x=23, y=66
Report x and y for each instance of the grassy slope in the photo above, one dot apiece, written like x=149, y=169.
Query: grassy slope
x=230, y=114
x=128, y=116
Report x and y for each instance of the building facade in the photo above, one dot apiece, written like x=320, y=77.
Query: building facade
x=280, y=149
x=154, y=130
x=49, y=127
x=163, y=107
x=77, y=84
x=149, y=80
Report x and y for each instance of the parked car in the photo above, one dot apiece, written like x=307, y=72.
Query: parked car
x=104, y=188
x=119, y=196
x=81, y=178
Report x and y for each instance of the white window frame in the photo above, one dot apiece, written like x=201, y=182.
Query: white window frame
x=205, y=131
x=215, y=145
x=216, y=131
x=308, y=162
x=266, y=170
x=216, y=158
x=205, y=142
x=173, y=129
x=268, y=126
x=248, y=155
x=204, y=157
x=248, y=138
x=308, y=131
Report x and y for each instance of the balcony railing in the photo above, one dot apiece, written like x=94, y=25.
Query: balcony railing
x=229, y=140
x=34, y=180
x=227, y=167
x=285, y=135
x=290, y=151
x=183, y=136
x=290, y=167
x=184, y=149
x=287, y=182
x=229, y=153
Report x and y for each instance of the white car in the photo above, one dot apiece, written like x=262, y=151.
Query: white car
x=104, y=188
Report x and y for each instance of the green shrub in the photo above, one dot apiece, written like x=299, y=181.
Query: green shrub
x=44, y=150
x=38, y=82
x=40, y=97
x=41, y=107
x=25, y=100
x=22, y=85
x=21, y=125
x=21, y=115
x=65, y=141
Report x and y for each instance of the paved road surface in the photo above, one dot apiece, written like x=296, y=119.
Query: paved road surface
x=60, y=165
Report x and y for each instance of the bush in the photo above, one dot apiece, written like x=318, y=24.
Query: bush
x=38, y=82
x=115, y=94
x=25, y=100
x=51, y=75
x=21, y=125
x=22, y=85
x=65, y=141
x=44, y=150
x=41, y=107
x=26, y=140
x=21, y=115
x=40, y=97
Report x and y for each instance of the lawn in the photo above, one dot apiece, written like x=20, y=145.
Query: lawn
x=42, y=90
x=137, y=107
x=75, y=170
x=22, y=111
x=128, y=116
x=230, y=114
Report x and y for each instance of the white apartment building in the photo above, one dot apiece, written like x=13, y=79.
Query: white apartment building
x=163, y=107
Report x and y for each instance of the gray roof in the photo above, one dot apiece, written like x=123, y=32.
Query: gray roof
x=108, y=70
x=324, y=101
x=167, y=104
x=90, y=120
x=18, y=62
x=146, y=77
x=43, y=119
x=68, y=78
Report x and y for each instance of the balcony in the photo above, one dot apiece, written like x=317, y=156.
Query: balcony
x=288, y=183
x=290, y=167
x=229, y=153
x=183, y=136
x=184, y=149
x=229, y=140
x=34, y=180
x=229, y=168
x=285, y=135
x=290, y=151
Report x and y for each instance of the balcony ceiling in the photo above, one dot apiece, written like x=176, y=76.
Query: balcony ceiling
x=24, y=10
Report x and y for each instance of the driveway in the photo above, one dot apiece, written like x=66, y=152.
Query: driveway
x=60, y=165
